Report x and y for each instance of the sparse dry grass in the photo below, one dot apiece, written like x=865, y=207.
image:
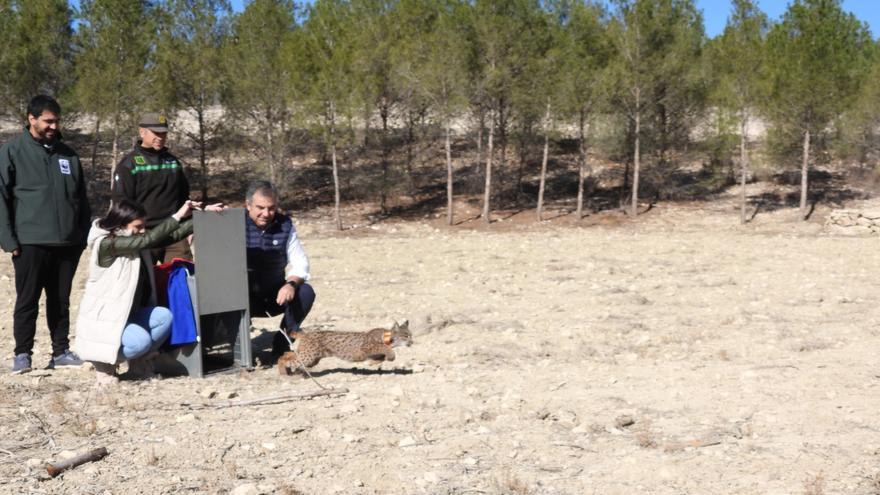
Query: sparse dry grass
x=815, y=484
x=509, y=483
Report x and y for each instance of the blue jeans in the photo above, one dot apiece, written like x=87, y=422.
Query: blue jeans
x=147, y=329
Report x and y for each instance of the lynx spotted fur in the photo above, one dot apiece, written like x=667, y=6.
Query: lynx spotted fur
x=375, y=345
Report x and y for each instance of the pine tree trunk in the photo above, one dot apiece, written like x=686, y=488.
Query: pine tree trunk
x=582, y=165
x=449, y=213
x=544, y=163
x=386, y=152
x=97, y=138
x=270, y=142
x=487, y=193
x=115, y=149
x=744, y=166
x=337, y=197
x=805, y=170
x=336, y=194
x=480, y=125
x=203, y=145
x=635, y=185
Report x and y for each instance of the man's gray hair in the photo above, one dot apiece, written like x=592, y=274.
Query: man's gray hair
x=264, y=187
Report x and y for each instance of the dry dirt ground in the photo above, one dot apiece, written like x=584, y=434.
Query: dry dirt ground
x=680, y=353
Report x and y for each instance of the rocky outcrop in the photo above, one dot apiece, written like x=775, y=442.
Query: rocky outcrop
x=854, y=222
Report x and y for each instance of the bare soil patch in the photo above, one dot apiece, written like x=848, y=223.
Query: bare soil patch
x=677, y=353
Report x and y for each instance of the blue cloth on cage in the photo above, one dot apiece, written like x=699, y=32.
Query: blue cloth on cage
x=183, y=324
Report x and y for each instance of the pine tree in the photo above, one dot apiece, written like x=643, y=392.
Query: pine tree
x=190, y=67
x=658, y=44
x=114, y=39
x=736, y=60
x=818, y=56
x=429, y=65
x=326, y=74
x=36, y=55
x=258, y=77
x=586, y=54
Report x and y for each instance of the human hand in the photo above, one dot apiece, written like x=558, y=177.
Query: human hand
x=187, y=208
x=216, y=207
x=285, y=294
x=16, y=253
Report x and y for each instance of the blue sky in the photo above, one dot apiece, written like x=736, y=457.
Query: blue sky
x=715, y=12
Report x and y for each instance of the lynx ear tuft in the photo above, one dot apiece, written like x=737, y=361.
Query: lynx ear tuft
x=395, y=326
x=404, y=325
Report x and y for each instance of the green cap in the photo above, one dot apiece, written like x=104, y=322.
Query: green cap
x=155, y=122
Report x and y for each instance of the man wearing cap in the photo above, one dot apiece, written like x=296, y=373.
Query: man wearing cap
x=151, y=176
x=44, y=220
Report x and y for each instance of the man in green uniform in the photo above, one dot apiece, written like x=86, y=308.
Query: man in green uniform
x=153, y=177
x=44, y=221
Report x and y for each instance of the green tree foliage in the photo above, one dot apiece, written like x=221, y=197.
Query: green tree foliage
x=818, y=56
x=859, y=127
x=114, y=40
x=258, y=78
x=659, y=43
x=36, y=53
x=736, y=61
x=190, y=67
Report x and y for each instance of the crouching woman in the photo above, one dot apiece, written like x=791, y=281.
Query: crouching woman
x=118, y=317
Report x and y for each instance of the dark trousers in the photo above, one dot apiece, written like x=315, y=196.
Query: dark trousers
x=262, y=303
x=38, y=268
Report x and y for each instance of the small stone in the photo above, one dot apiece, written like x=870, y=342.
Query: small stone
x=269, y=446
x=483, y=431
x=186, y=418
x=229, y=395
x=348, y=409
x=624, y=421
x=246, y=489
x=358, y=483
x=418, y=368
x=208, y=393
x=353, y=397
x=349, y=438
x=34, y=462
x=469, y=461
x=407, y=442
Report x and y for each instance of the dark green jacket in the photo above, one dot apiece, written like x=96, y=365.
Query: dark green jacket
x=43, y=195
x=153, y=179
x=167, y=232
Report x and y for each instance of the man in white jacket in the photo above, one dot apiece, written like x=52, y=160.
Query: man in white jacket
x=278, y=267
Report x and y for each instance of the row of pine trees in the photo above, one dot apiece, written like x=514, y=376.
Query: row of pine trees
x=378, y=73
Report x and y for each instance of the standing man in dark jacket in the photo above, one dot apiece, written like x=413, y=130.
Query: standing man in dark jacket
x=44, y=220
x=152, y=177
